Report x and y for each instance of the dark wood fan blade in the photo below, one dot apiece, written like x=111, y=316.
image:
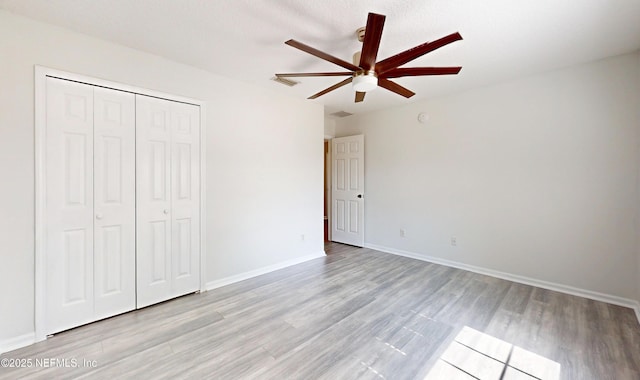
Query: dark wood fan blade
x=394, y=87
x=322, y=55
x=341, y=74
x=360, y=96
x=371, y=43
x=413, y=53
x=337, y=85
x=418, y=71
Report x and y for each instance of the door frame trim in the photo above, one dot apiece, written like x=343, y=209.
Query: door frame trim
x=40, y=81
x=329, y=178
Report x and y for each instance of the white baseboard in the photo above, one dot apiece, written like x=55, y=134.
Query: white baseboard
x=615, y=300
x=14, y=343
x=257, y=272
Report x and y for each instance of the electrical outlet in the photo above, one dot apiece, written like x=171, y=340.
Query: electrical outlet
x=402, y=233
x=454, y=241
x=302, y=237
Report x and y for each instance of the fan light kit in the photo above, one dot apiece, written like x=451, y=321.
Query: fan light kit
x=365, y=82
x=365, y=73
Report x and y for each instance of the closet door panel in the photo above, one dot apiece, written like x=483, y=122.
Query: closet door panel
x=114, y=202
x=153, y=199
x=185, y=120
x=69, y=205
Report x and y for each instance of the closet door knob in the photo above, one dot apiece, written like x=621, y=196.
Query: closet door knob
x=98, y=216
x=166, y=211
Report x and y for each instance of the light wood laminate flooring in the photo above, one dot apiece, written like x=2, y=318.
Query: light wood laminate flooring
x=356, y=314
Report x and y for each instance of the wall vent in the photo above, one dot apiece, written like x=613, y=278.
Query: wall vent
x=285, y=81
x=341, y=114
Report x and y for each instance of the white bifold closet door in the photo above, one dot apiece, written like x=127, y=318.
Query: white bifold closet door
x=168, y=199
x=89, y=204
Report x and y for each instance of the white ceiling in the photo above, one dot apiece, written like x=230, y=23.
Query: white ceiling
x=244, y=39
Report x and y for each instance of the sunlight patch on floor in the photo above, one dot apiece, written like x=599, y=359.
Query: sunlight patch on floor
x=476, y=355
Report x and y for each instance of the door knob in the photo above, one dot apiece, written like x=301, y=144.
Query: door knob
x=359, y=195
x=166, y=211
x=98, y=216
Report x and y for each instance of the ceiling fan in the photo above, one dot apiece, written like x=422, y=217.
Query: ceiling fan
x=365, y=73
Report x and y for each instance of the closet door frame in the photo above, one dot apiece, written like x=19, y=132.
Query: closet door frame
x=40, y=79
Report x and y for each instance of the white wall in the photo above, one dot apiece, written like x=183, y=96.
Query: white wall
x=536, y=177
x=264, y=158
x=329, y=127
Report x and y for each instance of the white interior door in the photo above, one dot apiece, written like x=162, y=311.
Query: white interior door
x=168, y=253
x=153, y=200
x=114, y=202
x=69, y=205
x=347, y=195
x=118, y=207
x=185, y=196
